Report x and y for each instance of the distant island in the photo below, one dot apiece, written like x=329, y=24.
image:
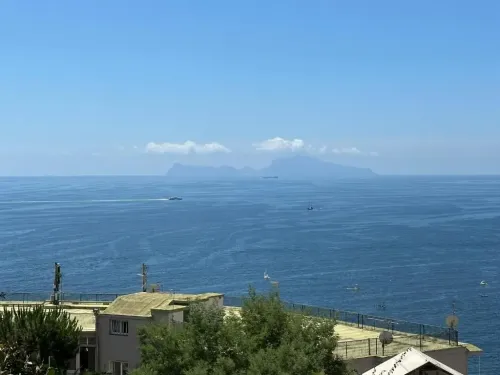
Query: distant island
x=296, y=167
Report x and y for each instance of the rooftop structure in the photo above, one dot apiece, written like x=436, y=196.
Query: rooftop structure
x=109, y=340
x=110, y=322
x=143, y=304
x=412, y=361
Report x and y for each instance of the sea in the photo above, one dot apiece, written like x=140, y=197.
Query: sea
x=418, y=245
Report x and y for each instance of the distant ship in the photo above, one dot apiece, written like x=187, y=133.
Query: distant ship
x=267, y=177
x=174, y=198
x=310, y=207
x=355, y=288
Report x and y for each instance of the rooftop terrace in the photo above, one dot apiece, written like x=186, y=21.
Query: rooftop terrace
x=84, y=313
x=358, y=333
x=356, y=342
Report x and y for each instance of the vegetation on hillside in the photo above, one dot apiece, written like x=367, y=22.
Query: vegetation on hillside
x=31, y=337
x=263, y=339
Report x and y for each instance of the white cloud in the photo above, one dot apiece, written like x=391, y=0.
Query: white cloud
x=188, y=147
x=347, y=150
x=297, y=144
x=352, y=151
x=280, y=144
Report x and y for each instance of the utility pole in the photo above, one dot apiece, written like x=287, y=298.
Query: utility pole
x=57, y=283
x=144, y=275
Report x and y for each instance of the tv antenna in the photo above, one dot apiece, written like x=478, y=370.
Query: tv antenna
x=144, y=276
x=452, y=319
x=57, y=284
x=385, y=338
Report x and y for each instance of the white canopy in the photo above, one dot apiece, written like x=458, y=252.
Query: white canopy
x=408, y=361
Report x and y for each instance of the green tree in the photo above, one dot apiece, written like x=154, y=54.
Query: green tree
x=261, y=339
x=35, y=334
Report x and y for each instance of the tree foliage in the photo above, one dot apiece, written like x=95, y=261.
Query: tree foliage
x=263, y=339
x=29, y=336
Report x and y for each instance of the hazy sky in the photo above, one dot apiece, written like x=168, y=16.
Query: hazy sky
x=123, y=87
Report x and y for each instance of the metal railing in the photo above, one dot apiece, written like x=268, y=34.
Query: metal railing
x=372, y=347
x=27, y=297
x=365, y=321
x=358, y=320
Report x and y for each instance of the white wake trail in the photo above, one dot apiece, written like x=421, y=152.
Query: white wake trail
x=85, y=201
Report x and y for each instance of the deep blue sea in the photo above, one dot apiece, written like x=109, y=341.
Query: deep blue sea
x=415, y=243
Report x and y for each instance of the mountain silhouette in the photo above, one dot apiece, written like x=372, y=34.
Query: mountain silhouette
x=296, y=167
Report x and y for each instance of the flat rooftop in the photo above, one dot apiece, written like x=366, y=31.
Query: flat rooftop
x=354, y=342
x=83, y=312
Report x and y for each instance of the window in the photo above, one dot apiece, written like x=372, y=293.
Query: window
x=118, y=327
x=118, y=368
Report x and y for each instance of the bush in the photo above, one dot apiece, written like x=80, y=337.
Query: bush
x=30, y=336
x=263, y=339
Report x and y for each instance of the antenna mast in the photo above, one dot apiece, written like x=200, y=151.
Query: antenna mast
x=57, y=283
x=144, y=275
x=452, y=320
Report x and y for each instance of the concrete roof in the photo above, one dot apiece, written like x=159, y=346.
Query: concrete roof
x=140, y=304
x=84, y=316
x=408, y=361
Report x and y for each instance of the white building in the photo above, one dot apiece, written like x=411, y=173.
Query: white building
x=412, y=362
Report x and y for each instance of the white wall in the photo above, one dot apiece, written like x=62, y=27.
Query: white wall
x=118, y=347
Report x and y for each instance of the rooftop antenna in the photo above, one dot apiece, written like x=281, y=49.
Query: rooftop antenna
x=452, y=320
x=57, y=283
x=144, y=275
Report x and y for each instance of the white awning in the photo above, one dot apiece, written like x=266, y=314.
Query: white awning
x=408, y=361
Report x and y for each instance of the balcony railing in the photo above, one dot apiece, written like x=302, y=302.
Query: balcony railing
x=365, y=321
x=372, y=347
x=27, y=297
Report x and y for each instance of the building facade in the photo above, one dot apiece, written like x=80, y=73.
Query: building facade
x=117, y=327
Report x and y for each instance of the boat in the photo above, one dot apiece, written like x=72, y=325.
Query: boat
x=483, y=283
x=355, y=288
x=310, y=207
x=266, y=276
x=174, y=198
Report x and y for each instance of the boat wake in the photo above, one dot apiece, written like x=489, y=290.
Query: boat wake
x=85, y=201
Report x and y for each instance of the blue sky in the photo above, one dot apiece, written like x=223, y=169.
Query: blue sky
x=128, y=87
